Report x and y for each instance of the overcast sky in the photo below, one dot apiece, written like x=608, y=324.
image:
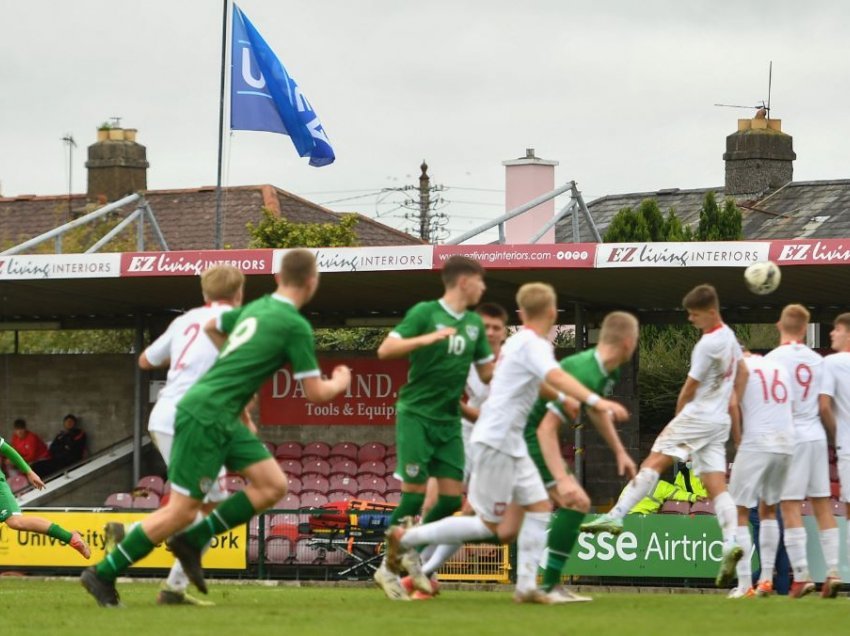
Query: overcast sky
x=621, y=93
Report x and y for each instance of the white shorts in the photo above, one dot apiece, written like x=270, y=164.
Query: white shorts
x=844, y=477
x=808, y=475
x=758, y=476
x=164, y=442
x=499, y=479
x=466, y=434
x=704, y=442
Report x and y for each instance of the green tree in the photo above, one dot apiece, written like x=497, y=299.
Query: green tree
x=275, y=231
x=719, y=224
x=627, y=226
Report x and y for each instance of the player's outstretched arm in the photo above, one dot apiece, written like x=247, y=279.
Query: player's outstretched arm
x=566, y=383
x=735, y=414
x=147, y=365
x=742, y=374
x=485, y=371
x=21, y=464
x=318, y=389
x=827, y=414
x=395, y=347
x=215, y=334
x=605, y=425
x=687, y=393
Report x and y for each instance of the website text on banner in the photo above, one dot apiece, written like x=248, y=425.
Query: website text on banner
x=20, y=548
x=193, y=263
x=567, y=255
x=719, y=254
x=369, y=400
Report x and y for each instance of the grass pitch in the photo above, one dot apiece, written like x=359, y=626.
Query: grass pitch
x=63, y=607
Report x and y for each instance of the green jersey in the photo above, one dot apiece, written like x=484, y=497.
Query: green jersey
x=438, y=372
x=586, y=367
x=263, y=336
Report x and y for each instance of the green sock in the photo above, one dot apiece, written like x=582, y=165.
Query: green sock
x=409, y=506
x=233, y=511
x=563, y=532
x=58, y=532
x=135, y=546
x=446, y=506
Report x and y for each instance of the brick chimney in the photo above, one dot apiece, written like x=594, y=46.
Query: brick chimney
x=759, y=157
x=117, y=165
x=527, y=178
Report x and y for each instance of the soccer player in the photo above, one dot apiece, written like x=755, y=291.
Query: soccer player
x=256, y=341
x=699, y=429
x=188, y=353
x=762, y=461
x=834, y=402
x=502, y=470
x=10, y=511
x=443, y=340
x=808, y=475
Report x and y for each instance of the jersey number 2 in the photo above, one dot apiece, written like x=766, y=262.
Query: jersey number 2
x=192, y=331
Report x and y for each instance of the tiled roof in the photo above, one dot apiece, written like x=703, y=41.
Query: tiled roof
x=187, y=217
x=802, y=209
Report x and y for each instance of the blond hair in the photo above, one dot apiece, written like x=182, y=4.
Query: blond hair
x=221, y=282
x=617, y=327
x=794, y=319
x=535, y=298
x=297, y=267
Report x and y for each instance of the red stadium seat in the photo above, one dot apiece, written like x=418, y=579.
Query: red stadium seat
x=253, y=549
x=807, y=508
x=374, y=467
x=119, y=500
x=316, y=466
x=373, y=451
x=348, y=450
x=371, y=495
x=254, y=525
x=233, y=483
x=154, y=483
x=18, y=483
x=344, y=466
x=833, y=472
x=393, y=496
x=341, y=481
x=313, y=499
x=372, y=482
x=149, y=501
x=675, y=508
x=335, y=557
x=291, y=466
x=288, y=530
x=283, y=519
x=702, y=508
x=314, y=481
x=393, y=482
x=307, y=554
x=289, y=450
x=391, y=462
x=279, y=550
x=270, y=447
x=335, y=496
x=294, y=484
x=320, y=449
x=839, y=509
x=290, y=502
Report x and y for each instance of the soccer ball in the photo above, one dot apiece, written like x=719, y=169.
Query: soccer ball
x=762, y=278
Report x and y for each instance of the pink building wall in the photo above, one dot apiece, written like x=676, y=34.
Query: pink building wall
x=525, y=179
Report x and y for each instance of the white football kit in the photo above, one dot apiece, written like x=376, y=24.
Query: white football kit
x=191, y=353
x=808, y=475
x=476, y=392
x=701, y=429
x=764, y=455
x=836, y=384
x=502, y=470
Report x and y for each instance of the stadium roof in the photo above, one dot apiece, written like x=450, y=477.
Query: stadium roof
x=375, y=285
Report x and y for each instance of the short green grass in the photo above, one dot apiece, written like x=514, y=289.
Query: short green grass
x=51, y=607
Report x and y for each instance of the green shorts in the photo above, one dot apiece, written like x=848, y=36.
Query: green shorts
x=426, y=448
x=200, y=449
x=536, y=454
x=8, y=504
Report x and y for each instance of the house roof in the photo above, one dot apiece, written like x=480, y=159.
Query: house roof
x=187, y=216
x=801, y=209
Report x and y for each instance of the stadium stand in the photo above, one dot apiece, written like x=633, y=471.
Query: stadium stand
x=675, y=508
x=317, y=449
x=289, y=450
x=373, y=451
x=153, y=483
x=346, y=450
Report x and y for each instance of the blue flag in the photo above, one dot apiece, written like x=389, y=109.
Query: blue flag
x=264, y=97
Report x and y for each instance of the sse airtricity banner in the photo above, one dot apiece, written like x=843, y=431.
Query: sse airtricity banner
x=263, y=96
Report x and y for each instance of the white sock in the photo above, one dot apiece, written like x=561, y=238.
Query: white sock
x=795, y=545
x=744, y=567
x=641, y=486
x=448, y=530
x=530, y=545
x=439, y=555
x=177, y=579
x=768, y=545
x=829, y=545
x=727, y=517
x=427, y=552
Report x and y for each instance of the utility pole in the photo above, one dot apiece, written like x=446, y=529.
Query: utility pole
x=426, y=220
x=424, y=204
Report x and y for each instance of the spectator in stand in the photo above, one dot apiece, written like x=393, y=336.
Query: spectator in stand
x=29, y=445
x=67, y=448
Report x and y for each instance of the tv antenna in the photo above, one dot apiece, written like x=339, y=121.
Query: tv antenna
x=762, y=108
x=69, y=141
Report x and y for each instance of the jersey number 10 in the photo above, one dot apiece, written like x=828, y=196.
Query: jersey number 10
x=457, y=344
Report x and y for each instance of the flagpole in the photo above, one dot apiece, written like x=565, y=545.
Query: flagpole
x=218, y=212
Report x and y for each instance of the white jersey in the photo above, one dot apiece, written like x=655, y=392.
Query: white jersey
x=714, y=362
x=806, y=370
x=836, y=384
x=766, y=408
x=524, y=361
x=190, y=352
x=476, y=392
